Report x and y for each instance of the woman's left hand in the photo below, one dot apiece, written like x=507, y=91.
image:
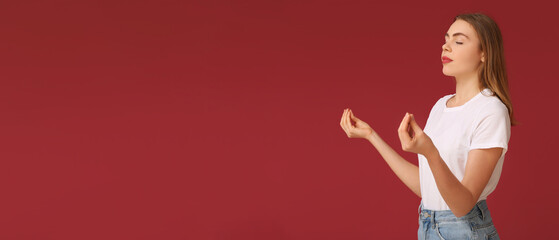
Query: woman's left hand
x=413, y=139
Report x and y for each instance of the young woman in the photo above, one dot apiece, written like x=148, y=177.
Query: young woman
x=462, y=148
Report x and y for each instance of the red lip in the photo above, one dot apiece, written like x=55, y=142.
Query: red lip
x=445, y=59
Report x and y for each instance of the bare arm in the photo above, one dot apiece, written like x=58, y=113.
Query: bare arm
x=406, y=171
x=462, y=196
x=459, y=196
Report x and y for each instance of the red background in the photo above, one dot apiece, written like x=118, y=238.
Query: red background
x=220, y=119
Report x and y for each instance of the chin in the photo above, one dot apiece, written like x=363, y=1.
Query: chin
x=448, y=73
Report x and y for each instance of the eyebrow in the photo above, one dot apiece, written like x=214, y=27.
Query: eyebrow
x=458, y=33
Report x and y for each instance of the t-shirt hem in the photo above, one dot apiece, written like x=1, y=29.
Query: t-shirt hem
x=488, y=145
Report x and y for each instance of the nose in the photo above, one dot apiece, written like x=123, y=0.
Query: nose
x=446, y=47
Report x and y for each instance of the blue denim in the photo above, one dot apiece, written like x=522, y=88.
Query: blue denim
x=477, y=224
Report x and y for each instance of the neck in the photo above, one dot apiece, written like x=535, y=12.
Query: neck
x=467, y=87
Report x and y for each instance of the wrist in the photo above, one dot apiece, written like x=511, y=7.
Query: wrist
x=371, y=135
x=431, y=153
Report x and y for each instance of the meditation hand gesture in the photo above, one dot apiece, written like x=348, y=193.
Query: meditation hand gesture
x=359, y=130
x=413, y=139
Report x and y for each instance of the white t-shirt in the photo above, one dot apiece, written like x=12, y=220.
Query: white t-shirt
x=482, y=122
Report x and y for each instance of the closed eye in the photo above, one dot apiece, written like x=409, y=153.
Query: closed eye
x=456, y=43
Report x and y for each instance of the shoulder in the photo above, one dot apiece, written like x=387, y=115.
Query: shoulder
x=490, y=104
x=491, y=111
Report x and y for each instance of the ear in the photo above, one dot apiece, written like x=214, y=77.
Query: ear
x=482, y=57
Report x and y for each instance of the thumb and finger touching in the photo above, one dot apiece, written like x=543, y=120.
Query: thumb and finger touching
x=410, y=127
x=414, y=124
x=353, y=116
x=403, y=129
x=348, y=119
x=358, y=122
x=351, y=124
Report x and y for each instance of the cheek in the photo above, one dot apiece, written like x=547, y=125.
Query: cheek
x=467, y=58
x=470, y=55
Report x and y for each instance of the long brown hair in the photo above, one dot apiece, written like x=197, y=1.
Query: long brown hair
x=493, y=74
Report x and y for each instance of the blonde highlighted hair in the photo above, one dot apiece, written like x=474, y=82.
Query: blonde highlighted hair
x=493, y=74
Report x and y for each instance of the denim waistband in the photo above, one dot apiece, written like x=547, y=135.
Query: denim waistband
x=479, y=209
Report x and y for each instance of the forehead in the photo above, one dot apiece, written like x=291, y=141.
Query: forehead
x=461, y=26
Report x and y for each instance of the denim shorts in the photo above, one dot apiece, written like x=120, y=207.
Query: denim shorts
x=477, y=224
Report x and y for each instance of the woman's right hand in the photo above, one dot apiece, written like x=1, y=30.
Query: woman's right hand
x=360, y=130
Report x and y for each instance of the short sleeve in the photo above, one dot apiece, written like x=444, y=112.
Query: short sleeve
x=492, y=128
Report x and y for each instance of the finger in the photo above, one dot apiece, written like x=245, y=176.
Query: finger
x=346, y=125
x=404, y=123
x=342, y=121
x=403, y=129
x=414, y=125
x=350, y=118
x=348, y=121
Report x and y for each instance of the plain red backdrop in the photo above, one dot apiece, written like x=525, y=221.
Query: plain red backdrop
x=220, y=119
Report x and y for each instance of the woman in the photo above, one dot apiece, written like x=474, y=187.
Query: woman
x=462, y=148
